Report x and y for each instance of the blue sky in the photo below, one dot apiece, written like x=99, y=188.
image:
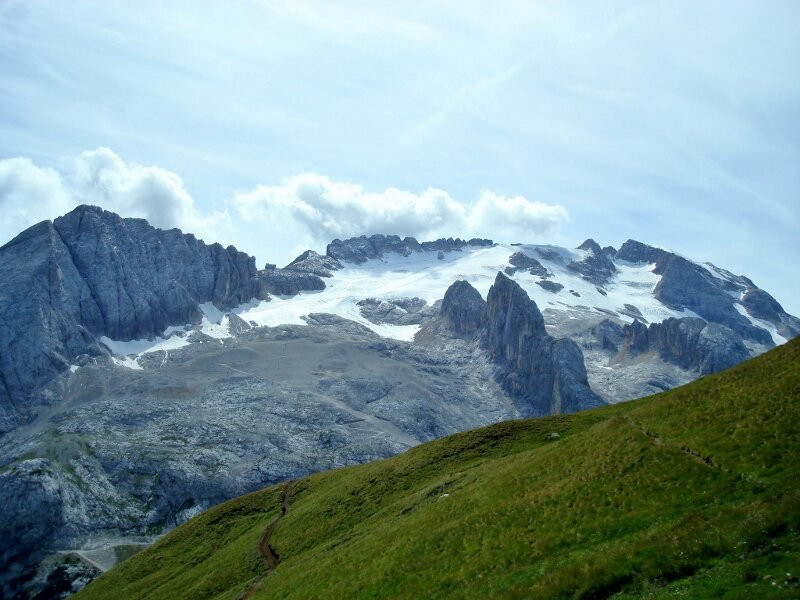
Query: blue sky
x=276, y=125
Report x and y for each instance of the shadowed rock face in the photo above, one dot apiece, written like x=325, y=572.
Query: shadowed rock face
x=463, y=308
x=545, y=375
x=597, y=267
x=523, y=262
x=761, y=305
x=288, y=282
x=685, y=284
x=91, y=273
x=361, y=249
x=690, y=343
x=551, y=286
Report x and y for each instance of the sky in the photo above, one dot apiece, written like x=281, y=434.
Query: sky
x=277, y=126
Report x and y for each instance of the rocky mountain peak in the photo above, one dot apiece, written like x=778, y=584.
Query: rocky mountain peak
x=315, y=263
x=545, y=375
x=463, y=308
x=92, y=273
x=512, y=317
x=591, y=246
x=597, y=266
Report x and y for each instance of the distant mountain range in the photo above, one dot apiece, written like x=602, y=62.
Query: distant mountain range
x=147, y=375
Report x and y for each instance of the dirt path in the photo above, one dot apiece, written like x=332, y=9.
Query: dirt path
x=268, y=554
x=270, y=557
x=694, y=454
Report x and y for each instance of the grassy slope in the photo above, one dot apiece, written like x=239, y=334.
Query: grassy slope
x=693, y=492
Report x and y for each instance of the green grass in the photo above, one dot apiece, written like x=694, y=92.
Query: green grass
x=692, y=493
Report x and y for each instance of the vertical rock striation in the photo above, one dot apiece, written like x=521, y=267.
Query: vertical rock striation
x=92, y=273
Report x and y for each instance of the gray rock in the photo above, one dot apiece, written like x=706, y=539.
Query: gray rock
x=135, y=451
x=314, y=263
x=685, y=284
x=544, y=375
x=289, y=282
x=523, y=262
x=361, y=249
x=549, y=254
x=463, y=308
x=91, y=273
x=631, y=311
x=550, y=286
x=597, y=267
x=690, y=343
x=398, y=311
x=761, y=305
x=609, y=334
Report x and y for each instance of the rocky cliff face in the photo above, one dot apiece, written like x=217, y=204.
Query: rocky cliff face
x=361, y=249
x=761, y=305
x=690, y=343
x=463, y=309
x=596, y=267
x=91, y=273
x=543, y=374
x=685, y=284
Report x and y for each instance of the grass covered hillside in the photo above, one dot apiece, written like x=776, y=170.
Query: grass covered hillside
x=693, y=493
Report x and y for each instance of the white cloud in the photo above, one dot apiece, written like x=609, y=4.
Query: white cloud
x=158, y=195
x=273, y=222
x=325, y=209
x=29, y=194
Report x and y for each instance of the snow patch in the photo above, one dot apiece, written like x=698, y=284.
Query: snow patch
x=128, y=362
x=143, y=346
x=777, y=339
x=214, y=323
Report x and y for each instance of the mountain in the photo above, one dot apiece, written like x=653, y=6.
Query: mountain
x=688, y=493
x=90, y=274
x=148, y=376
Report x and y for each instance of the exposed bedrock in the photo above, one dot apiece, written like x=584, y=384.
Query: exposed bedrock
x=463, y=309
x=363, y=248
x=690, y=343
x=596, y=267
x=92, y=273
x=542, y=374
x=685, y=284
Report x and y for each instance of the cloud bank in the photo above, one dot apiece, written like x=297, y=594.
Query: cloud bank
x=274, y=222
x=327, y=209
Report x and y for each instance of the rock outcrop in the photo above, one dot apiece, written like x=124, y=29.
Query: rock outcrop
x=288, y=282
x=463, y=309
x=91, y=273
x=685, y=284
x=761, y=305
x=361, y=249
x=609, y=334
x=398, y=311
x=523, y=262
x=545, y=375
x=551, y=286
x=314, y=263
x=596, y=267
x=690, y=343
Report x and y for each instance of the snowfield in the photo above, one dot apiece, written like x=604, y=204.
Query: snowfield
x=424, y=275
